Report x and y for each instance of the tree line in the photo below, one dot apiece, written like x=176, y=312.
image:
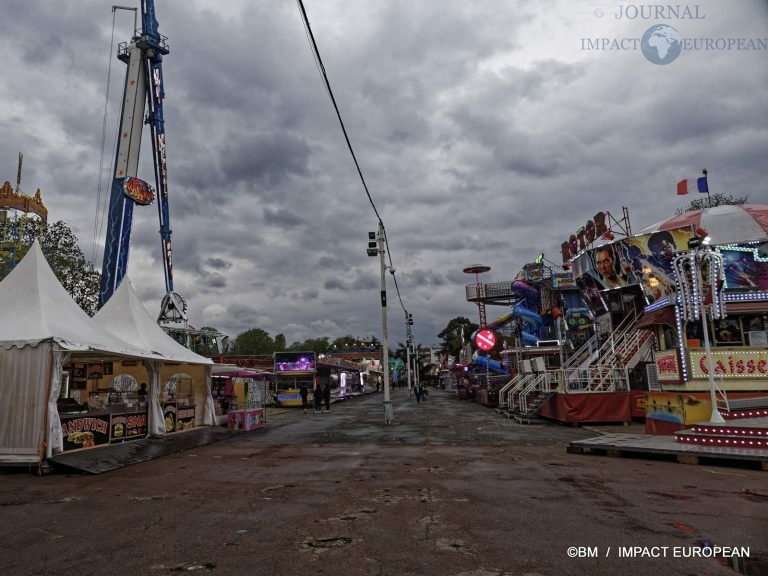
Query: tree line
x=82, y=281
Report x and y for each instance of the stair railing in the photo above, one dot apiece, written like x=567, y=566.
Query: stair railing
x=504, y=389
x=538, y=389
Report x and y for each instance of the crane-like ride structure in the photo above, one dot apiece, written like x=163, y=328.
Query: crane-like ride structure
x=143, y=97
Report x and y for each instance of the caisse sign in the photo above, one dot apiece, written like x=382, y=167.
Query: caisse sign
x=485, y=340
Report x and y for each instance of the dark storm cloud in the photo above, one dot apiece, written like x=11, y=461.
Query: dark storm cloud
x=211, y=281
x=366, y=281
x=424, y=278
x=335, y=284
x=484, y=132
x=264, y=158
x=284, y=217
x=219, y=263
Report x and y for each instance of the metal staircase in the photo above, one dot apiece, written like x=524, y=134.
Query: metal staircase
x=595, y=367
x=522, y=396
x=606, y=369
x=531, y=398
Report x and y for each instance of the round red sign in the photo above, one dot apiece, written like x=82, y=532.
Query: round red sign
x=485, y=339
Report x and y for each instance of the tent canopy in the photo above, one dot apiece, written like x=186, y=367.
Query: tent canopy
x=37, y=308
x=124, y=316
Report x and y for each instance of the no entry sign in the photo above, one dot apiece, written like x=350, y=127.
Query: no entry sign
x=485, y=340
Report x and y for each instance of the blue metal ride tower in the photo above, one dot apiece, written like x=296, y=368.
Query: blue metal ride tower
x=143, y=93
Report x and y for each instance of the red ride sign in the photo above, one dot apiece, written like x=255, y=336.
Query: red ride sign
x=485, y=340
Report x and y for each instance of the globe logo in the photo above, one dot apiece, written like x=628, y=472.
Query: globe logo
x=661, y=44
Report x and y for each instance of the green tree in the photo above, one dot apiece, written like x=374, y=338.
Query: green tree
x=458, y=329
x=317, y=345
x=400, y=352
x=254, y=341
x=344, y=342
x=712, y=201
x=61, y=250
x=280, y=343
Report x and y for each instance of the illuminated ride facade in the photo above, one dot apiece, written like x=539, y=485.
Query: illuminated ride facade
x=15, y=209
x=640, y=359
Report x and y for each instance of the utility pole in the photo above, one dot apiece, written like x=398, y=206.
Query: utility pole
x=375, y=247
x=408, y=364
x=408, y=344
x=416, y=368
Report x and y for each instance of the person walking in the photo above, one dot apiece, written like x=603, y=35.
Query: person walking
x=327, y=396
x=304, y=391
x=317, y=397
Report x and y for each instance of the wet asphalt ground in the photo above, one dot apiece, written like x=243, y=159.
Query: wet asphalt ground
x=449, y=488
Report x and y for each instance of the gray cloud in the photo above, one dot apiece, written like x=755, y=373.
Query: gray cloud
x=484, y=132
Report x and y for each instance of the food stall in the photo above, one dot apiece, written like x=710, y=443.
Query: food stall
x=240, y=397
x=177, y=402
x=53, y=356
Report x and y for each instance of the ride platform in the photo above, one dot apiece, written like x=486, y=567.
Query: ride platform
x=679, y=447
x=114, y=456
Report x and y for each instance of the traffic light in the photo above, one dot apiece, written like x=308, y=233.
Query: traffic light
x=373, y=245
x=410, y=319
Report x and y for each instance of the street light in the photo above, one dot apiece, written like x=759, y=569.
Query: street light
x=376, y=247
x=700, y=284
x=408, y=343
x=373, y=245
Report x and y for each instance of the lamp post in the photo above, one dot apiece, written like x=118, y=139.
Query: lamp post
x=408, y=344
x=700, y=284
x=376, y=246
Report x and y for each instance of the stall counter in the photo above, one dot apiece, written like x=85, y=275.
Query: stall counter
x=97, y=428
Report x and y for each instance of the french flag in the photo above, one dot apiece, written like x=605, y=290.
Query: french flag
x=685, y=186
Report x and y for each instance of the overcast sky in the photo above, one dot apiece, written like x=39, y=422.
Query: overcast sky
x=485, y=131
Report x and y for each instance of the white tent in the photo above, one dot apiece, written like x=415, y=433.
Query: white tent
x=124, y=315
x=41, y=329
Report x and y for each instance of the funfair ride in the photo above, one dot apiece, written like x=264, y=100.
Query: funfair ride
x=143, y=92
x=15, y=209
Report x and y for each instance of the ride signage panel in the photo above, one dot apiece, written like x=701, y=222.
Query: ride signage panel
x=485, y=339
x=667, y=368
x=138, y=191
x=731, y=364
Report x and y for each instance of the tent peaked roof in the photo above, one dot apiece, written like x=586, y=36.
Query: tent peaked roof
x=36, y=308
x=125, y=316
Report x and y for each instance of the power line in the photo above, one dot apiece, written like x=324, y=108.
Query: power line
x=98, y=221
x=327, y=85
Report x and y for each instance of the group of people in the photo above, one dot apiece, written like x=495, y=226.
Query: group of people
x=421, y=393
x=321, y=394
